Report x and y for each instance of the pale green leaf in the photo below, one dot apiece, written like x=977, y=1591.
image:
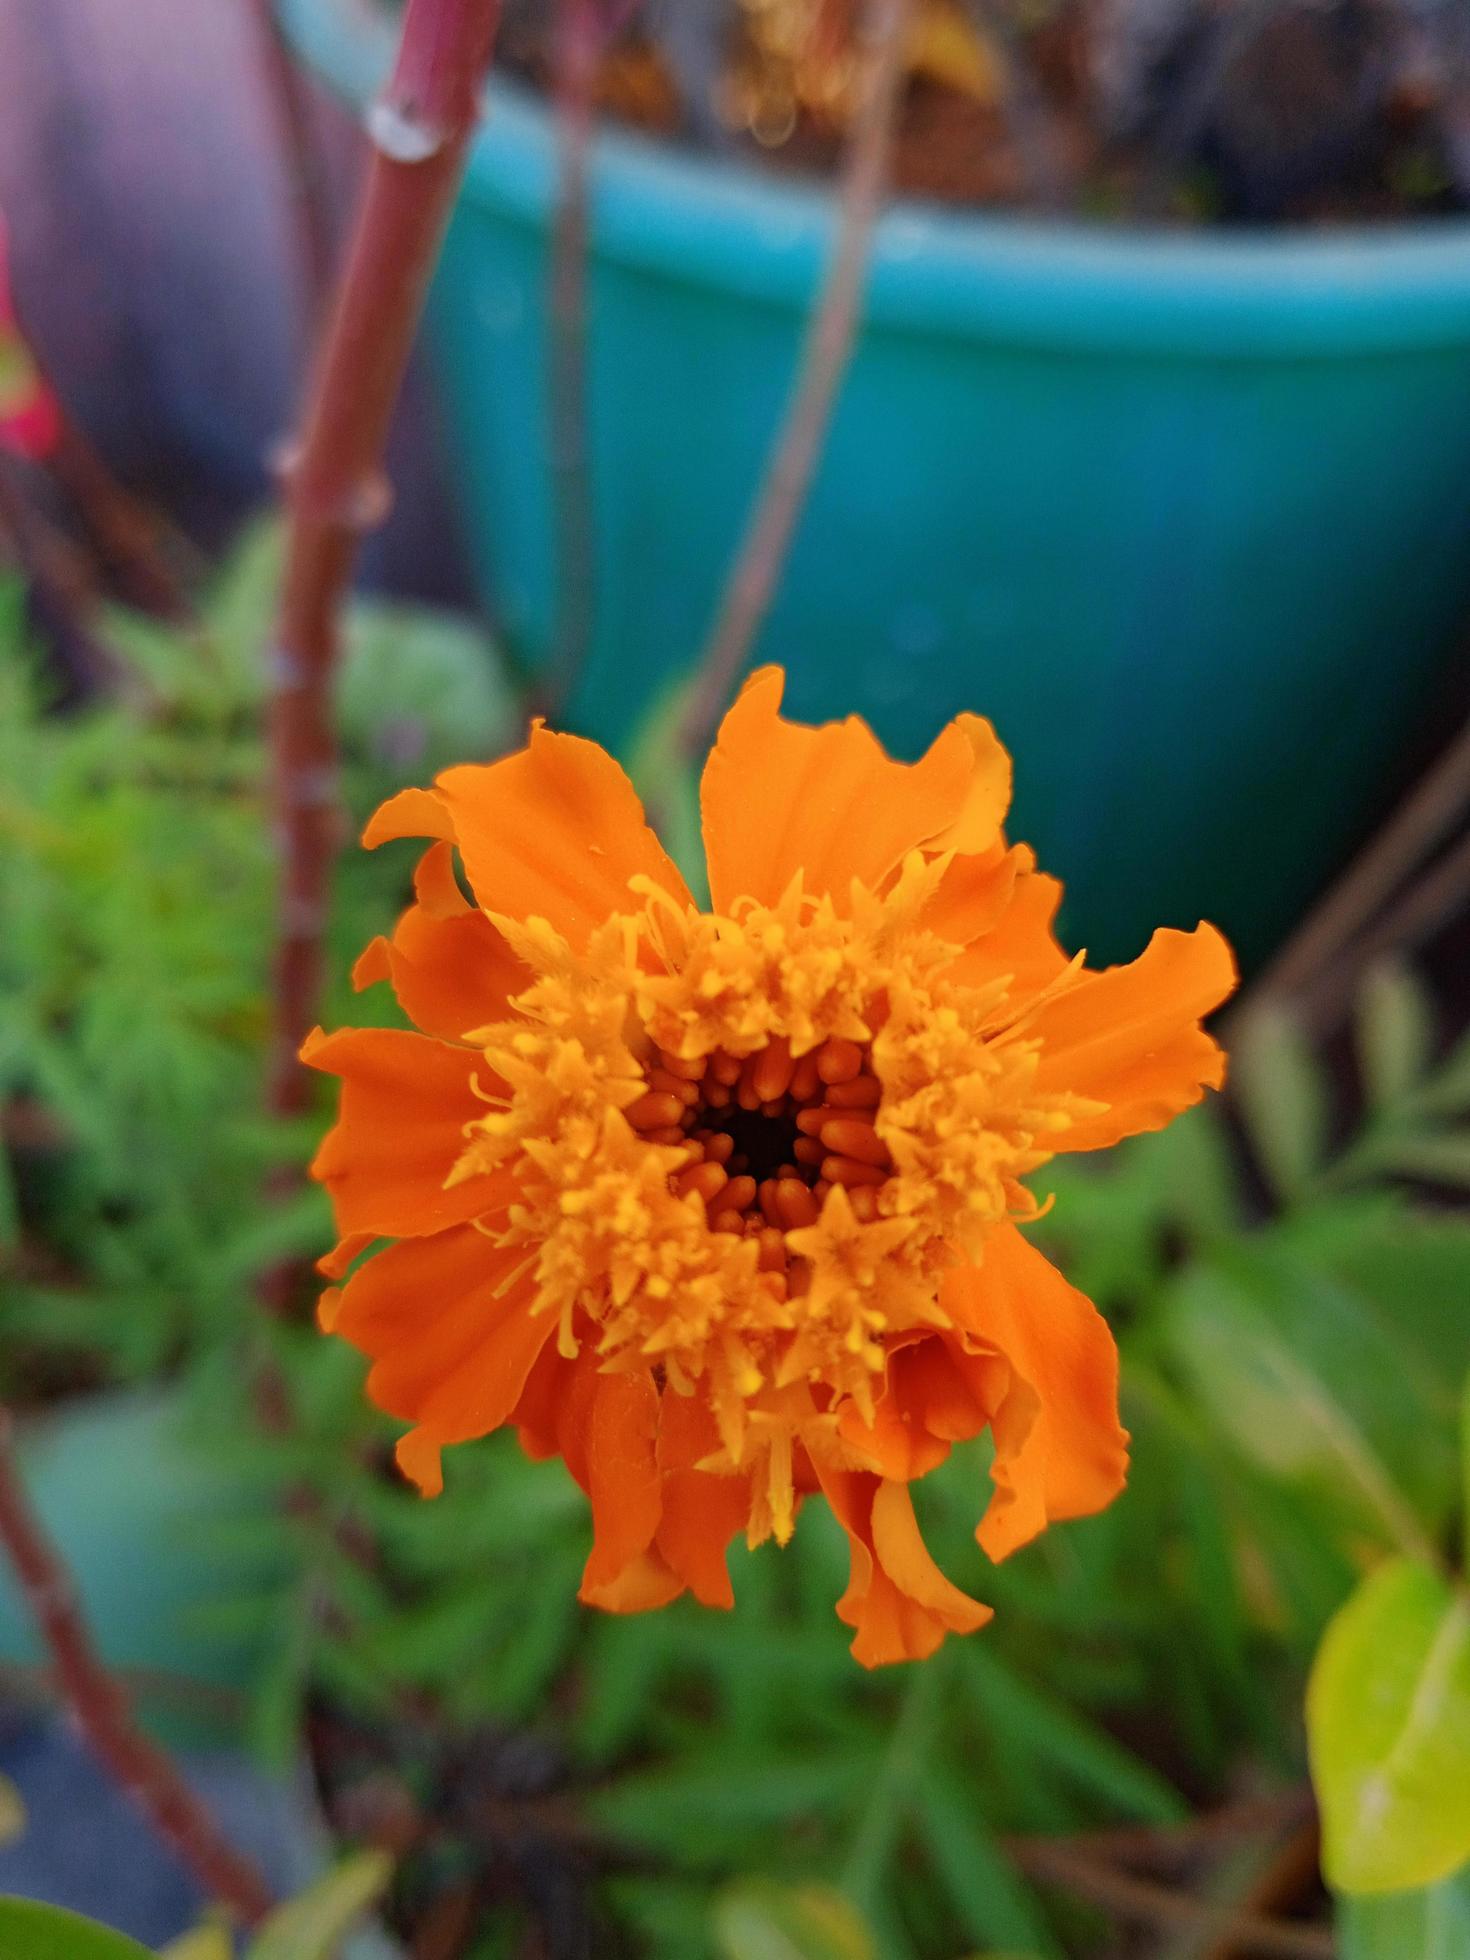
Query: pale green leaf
x=1280, y=1090
x=1395, y=1034
x=761, y=1920
x=1388, y=1730
x=203, y=1943
x=12, y=1812
x=30, y=1931
x=1432, y=1922
x=313, y=1924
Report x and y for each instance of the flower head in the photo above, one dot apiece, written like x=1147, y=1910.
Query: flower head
x=727, y=1208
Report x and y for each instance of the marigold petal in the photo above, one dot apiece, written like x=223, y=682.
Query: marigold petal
x=701, y=1511
x=620, y=1472
x=988, y=797
x=898, y=1440
x=1060, y=1450
x=1130, y=1037
x=420, y=1458
x=411, y=813
x=778, y=797
x=449, y=967
x=897, y=1599
x=405, y=1101
x=556, y=832
x=644, y=1584
x=448, y=1329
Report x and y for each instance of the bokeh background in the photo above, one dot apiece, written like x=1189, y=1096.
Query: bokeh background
x=1154, y=446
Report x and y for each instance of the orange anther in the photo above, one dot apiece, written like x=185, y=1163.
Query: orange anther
x=804, y=1079
x=864, y=1201
x=773, y=1251
x=718, y=1147
x=795, y=1203
x=776, y=1107
x=687, y=1071
x=654, y=1109
x=863, y=1092
x=706, y=1178
x=787, y=1170
x=773, y=1069
x=810, y=1121
x=847, y=1170
x=725, y=1068
x=673, y=1085
x=717, y=1095
x=767, y=1196
x=847, y=1136
x=740, y=1194
x=727, y=1221
x=820, y=1189
x=775, y=1284
x=666, y=1133
x=808, y=1150
x=839, y=1061
x=747, y=1095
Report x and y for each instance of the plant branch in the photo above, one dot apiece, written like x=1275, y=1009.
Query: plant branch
x=103, y=1711
x=1431, y=810
x=420, y=129
x=828, y=346
x=1142, y=1900
x=577, y=50
x=306, y=179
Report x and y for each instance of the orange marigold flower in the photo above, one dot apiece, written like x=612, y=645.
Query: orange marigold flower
x=726, y=1207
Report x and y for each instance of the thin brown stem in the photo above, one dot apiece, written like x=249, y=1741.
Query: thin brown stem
x=1431, y=810
x=577, y=50
x=306, y=179
x=103, y=1711
x=420, y=130
x=826, y=351
x=1142, y=1900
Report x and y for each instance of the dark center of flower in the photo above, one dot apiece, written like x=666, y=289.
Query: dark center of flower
x=768, y=1135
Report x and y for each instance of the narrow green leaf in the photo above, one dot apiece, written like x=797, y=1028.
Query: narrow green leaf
x=313, y=1924
x=1388, y=1730
x=1279, y=1086
x=1432, y=1922
x=203, y=1943
x=1395, y=1034
x=30, y=1931
x=760, y=1920
x=12, y=1812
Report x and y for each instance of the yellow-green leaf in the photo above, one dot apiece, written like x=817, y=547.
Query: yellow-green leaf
x=12, y=1812
x=760, y=1920
x=1388, y=1728
x=40, y=1932
x=1429, y=1923
x=204, y=1943
x=313, y=1924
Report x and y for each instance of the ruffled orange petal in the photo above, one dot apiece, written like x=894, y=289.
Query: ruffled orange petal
x=913, y=1424
x=554, y=832
x=897, y=1599
x=977, y=828
x=405, y=1102
x=1060, y=1451
x=607, y=1428
x=1129, y=1037
x=447, y=1324
x=701, y=1512
x=451, y=970
x=778, y=798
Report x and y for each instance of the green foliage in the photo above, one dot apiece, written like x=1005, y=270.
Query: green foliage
x=1388, y=1715
x=1288, y=1288
x=48, y=1933
x=1431, y=1922
x=313, y=1925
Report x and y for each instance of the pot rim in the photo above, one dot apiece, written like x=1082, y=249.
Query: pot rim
x=1016, y=280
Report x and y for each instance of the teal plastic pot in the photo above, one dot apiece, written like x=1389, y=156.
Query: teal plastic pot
x=1188, y=516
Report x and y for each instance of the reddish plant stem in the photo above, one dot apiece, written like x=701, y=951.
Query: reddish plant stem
x=826, y=350
x=103, y=1711
x=306, y=179
x=577, y=51
x=420, y=129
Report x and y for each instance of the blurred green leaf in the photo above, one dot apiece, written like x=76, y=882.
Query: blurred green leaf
x=1388, y=1729
x=12, y=1812
x=1395, y=1034
x=1431, y=1922
x=313, y=1924
x=204, y=1943
x=1279, y=1086
x=29, y=1931
x=760, y=1920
